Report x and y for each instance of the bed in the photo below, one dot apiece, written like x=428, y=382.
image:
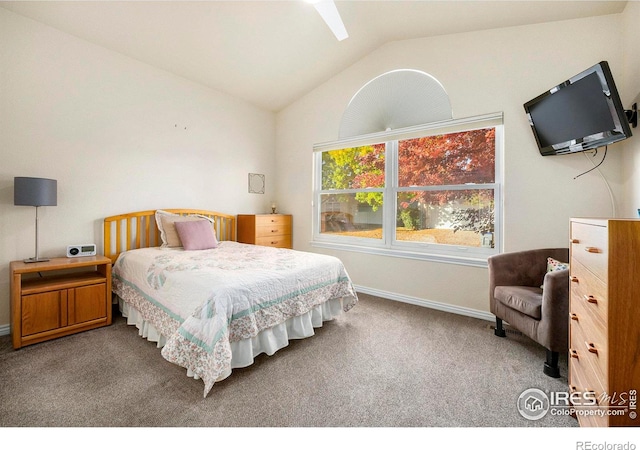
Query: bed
x=214, y=306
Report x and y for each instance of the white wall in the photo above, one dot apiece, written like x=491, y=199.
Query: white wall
x=119, y=136
x=483, y=72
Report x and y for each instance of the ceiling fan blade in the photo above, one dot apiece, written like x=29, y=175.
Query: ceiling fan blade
x=329, y=13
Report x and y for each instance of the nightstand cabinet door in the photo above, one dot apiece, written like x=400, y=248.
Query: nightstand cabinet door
x=87, y=303
x=44, y=312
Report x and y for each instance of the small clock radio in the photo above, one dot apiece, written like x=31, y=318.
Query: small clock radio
x=81, y=250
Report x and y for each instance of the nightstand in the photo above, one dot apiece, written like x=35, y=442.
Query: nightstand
x=272, y=230
x=59, y=297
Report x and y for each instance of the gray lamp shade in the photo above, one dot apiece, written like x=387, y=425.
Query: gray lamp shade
x=35, y=191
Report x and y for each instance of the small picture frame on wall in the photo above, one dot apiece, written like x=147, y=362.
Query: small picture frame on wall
x=256, y=183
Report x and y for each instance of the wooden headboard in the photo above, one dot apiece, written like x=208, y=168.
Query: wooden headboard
x=139, y=229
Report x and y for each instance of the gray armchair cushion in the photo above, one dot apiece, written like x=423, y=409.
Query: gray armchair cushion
x=527, y=300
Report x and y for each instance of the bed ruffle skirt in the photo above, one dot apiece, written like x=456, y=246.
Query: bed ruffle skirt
x=244, y=351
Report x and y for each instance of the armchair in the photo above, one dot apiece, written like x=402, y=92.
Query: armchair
x=532, y=300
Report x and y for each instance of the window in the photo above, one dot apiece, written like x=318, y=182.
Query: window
x=429, y=192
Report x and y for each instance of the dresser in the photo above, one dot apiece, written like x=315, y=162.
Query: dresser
x=272, y=230
x=604, y=321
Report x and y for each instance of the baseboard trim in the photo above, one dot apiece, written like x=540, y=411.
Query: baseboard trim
x=461, y=310
x=5, y=330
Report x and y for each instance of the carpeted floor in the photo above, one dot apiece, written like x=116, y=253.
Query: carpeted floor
x=382, y=364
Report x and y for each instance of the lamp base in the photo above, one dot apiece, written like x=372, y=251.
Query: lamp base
x=34, y=260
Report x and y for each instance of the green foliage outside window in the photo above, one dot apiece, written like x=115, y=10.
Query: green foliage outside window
x=461, y=158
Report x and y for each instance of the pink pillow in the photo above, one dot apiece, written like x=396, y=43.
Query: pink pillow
x=196, y=235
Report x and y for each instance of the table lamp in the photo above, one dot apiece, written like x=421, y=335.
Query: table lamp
x=35, y=192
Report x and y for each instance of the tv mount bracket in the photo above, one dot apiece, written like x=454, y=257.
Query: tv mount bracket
x=632, y=115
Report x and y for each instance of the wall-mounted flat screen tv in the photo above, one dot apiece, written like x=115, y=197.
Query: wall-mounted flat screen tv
x=584, y=112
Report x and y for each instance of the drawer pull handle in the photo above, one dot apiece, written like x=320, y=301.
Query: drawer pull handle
x=574, y=241
x=573, y=316
x=574, y=279
x=274, y=231
x=591, y=299
x=591, y=347
x=592, y=250
x=573, y=353
x=274, y=242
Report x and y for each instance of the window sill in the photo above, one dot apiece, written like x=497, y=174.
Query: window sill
x=470, y=260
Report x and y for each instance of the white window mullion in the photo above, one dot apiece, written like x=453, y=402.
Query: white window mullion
x=498, y=199
x=315, y=201
x=391, y=181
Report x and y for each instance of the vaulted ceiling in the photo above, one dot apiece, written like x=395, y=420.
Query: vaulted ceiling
x=271, y=52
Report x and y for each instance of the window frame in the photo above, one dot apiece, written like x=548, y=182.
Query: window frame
x=389, y=245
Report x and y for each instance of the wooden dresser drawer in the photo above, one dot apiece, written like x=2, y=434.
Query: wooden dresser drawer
x=582, y=376
x=274, y=241
x=588, y=293
x=272, y=230
x=267, y=220
x=589, y=342
x=591, y=325
x=579, y=383
x=589, y=245
x=583, y=379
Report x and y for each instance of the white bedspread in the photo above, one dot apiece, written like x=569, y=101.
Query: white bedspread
x=204, y=300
